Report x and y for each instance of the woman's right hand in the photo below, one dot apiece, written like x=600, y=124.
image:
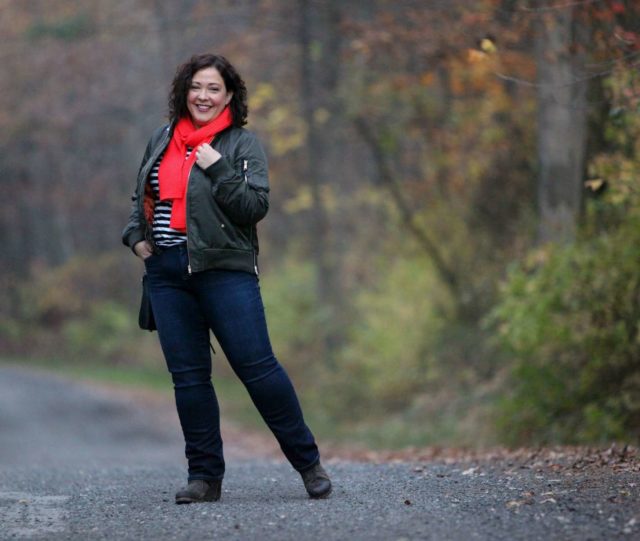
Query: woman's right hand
x=143, y=249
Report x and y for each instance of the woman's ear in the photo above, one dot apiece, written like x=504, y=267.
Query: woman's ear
x=229, y=98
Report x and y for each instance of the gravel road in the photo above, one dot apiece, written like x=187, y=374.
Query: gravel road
x=80, y=462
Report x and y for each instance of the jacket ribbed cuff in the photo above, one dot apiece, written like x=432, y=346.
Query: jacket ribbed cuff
x=220, y=171
x=134, y=238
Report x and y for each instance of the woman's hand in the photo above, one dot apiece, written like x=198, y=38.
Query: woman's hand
x=206, y=155
x=143, y=249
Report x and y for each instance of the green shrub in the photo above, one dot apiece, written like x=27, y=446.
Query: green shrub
x=293, y=315
x=388, y=356
x=570, y=319
x=108, y=333
x=85, y=309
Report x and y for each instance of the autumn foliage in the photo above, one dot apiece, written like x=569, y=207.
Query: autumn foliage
x=408, y=287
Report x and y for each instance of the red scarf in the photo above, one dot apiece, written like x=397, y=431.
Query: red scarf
x=173, y=174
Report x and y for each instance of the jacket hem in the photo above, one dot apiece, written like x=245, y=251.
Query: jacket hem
x=224, y=259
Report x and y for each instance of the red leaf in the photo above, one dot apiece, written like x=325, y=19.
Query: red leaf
x=617, y=7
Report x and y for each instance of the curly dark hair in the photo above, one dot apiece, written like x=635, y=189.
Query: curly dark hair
x=232, y=81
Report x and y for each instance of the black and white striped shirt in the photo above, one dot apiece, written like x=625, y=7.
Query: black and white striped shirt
x=163, y=235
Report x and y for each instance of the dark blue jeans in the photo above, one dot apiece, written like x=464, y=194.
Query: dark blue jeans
x=229, y=303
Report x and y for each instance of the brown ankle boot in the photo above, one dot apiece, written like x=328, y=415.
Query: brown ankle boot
x=200, y=490
x=316, y=481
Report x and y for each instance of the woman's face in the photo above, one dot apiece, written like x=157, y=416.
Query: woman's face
x=207, y=96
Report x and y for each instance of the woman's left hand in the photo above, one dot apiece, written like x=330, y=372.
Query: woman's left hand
x=206, y=155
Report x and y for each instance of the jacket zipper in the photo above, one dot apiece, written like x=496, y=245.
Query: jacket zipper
x=187, y=212
x=187, y=218
x=245, y=167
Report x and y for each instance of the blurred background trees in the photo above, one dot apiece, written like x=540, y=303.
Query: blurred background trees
x=451, y=251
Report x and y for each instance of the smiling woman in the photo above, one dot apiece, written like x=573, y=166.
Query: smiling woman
x=201, y=189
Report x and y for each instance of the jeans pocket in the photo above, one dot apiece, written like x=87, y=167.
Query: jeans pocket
x=150, y=261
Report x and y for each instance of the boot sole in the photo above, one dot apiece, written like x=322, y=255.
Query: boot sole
x=207, y=498
x=322, y=496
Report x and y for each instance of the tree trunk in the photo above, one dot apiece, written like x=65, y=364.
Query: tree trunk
x=319, y=41
x=562, y=123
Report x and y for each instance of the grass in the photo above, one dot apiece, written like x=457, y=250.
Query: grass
x=391, y=432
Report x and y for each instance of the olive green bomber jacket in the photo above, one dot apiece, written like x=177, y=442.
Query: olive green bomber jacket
x=224, y=202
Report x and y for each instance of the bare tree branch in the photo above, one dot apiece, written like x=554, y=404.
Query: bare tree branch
x=386, y=176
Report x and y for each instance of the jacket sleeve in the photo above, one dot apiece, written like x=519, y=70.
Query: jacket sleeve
x=242, y=193
x=135, y=229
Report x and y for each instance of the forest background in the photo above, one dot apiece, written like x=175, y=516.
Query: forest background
x=452, y=251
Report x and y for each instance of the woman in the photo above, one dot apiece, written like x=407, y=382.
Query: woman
x=202, y=188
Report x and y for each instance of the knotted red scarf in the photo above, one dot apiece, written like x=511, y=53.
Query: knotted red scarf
x=173, y=174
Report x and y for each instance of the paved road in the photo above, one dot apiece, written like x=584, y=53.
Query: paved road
x=80, y=463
